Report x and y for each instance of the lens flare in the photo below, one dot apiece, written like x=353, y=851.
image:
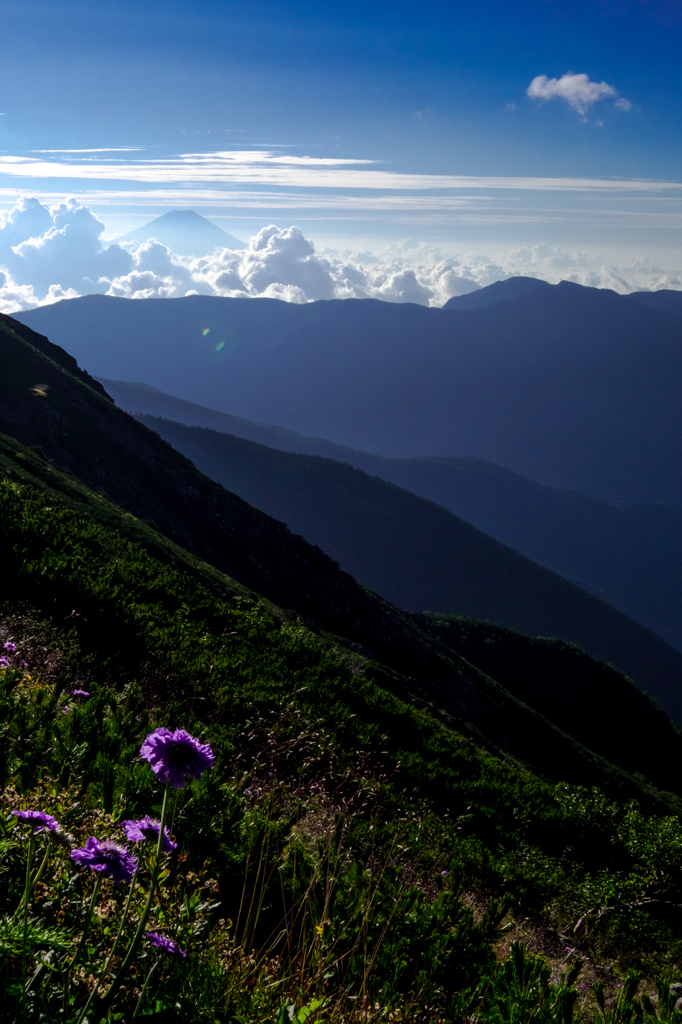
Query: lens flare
x=206, y=330
x=219, y=346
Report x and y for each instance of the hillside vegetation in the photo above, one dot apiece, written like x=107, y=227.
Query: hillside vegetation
x=387, y=834
x=368, y=834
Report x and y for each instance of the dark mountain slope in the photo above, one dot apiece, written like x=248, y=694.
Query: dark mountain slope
x=73, y=425
x=542, y=673
x=628, y=554
x=499, y=291
x=80, y=429
x=146, y=399
x=419, y=556
x=666, y=299
x=574, y=387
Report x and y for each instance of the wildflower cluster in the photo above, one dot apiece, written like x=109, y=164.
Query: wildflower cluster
x=9, y=657
x=174, y=757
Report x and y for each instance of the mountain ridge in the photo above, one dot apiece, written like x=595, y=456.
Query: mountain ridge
x=570, y=386
x=418, y=555
x=629, y=555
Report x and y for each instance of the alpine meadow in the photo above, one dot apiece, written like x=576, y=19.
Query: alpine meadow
x=341, y=512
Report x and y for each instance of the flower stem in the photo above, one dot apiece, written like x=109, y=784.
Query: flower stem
x=144, y=988
x=86, y=928
x=33, y=882
x=38, y=875
x=103, y=972
x=123, y=919
x=27, y=889
x=135, y=944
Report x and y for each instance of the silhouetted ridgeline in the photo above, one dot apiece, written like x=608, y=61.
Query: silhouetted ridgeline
x=419, y=556
x=573, y=387
x=626, y=553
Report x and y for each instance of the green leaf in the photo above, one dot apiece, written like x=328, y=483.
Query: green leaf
x=37, y=935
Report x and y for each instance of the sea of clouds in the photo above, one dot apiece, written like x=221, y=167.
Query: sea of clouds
x=57, y=252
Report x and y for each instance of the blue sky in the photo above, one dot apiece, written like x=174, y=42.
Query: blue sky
x=424, y=86
x=364, y=123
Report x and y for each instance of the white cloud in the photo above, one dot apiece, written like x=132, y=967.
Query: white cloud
x=14, y=296
x=275, y=259
x=156, y=274
x=140, y=284
x=60, y=246
x=578, y=91
x=404, y=287
x=100, y=149
x=50, y=254
x=28, y=219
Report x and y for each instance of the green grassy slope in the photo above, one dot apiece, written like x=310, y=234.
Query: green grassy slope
x=381, y=817
x=302, y=730
x=419, y=556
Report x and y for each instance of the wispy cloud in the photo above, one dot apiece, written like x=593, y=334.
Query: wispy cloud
x=281, y=171
x=577, y=90
x=100, y=149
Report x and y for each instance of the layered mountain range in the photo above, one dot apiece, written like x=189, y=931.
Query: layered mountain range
x=572, y=387
x=611, y=365
x=627, y=553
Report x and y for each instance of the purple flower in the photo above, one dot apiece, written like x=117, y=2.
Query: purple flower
x=65, y=709
x=112, y=860
x=9, y=646
x=147, y=830
x=163, y=942
x=38, y=818
x=175, y=755
x=80, y=693
x=4, y=662
x=23, y=663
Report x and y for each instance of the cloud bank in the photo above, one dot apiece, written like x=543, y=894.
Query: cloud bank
x=48, y=254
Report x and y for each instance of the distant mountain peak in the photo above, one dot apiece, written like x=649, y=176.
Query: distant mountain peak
x=185, y=232
x=499, y=291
